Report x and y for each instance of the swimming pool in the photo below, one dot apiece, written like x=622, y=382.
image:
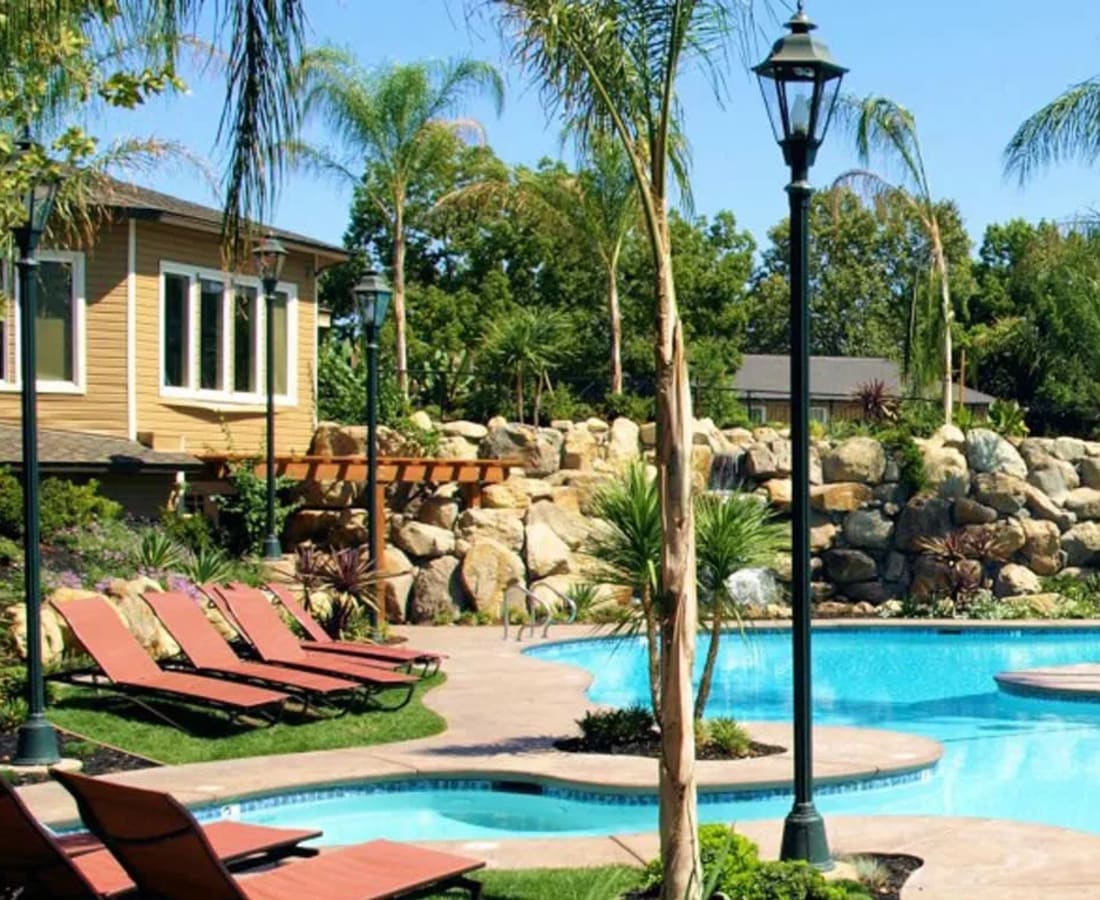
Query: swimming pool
x=1004, y=756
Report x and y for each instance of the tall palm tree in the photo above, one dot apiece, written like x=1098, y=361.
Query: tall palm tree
x=611, y=66
x=885, y=130
x=1067, y=128
x=396, y=125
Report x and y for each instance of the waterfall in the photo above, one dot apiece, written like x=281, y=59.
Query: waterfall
x=725, y=472
x=754, y=587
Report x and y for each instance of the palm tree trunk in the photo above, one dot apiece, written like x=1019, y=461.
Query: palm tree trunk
x=615, y=316
x=653, y=646
x=678, y=806
x=519, y=396
x=703, y=696
x=399, y=297
x=939, y=260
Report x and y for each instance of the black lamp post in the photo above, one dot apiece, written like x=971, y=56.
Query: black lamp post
x=800, y=82
x=372, y=294
x=269, y=256
x=37, y=741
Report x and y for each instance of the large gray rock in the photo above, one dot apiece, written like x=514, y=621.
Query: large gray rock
x=946, y=471
x=950, y=436
x=1055, y=479
x=971, y=512
x=395, y=588
x=1070, y=449
x=546, y=553
x=312, y=494
x=923, y=517
x=1042, y=507
x=440, y=511
x=931, y=577
x=1090, y=472
x=333, y=439
x=1082, y=544
x=537, y=450
x=760, y=463
x=987, y=451
x=859, y=459
x=488, y=570
x=1003, y=492
x=1043, y=547
x=470, y=431
x=1015, y=580
x=502, y=525
x=437, y=592
x=874, y=592
x=423, y=541
x=579, y=450
x=846, y=566
x=622, y=442
x=573, y=528
x=840, y=497
x=868, y=528
x=455, y=447
x=1002, y=538
x=1084, y=503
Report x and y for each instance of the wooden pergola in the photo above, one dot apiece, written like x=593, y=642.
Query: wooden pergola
x=470, y=474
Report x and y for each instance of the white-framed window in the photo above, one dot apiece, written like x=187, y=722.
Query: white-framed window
x=212, y=336
x=819, y=414
x=758, y=414
x=60, y=309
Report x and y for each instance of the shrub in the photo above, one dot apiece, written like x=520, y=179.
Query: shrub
x=13, y=685
x=585, y=595
x=191, y=531
x=158, y=552
x=1007, y=418
x=562, y=403
x=786, y=881
x=629, y=406
x=899, y=443
x=11, y=505
x=606, y=729
x=723, y=853
x=65, y=504
x=244, y=511
x=921, y=418
x=723, y=735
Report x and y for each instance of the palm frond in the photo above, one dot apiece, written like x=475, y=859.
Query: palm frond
x=885, y=131
x=1067, y=128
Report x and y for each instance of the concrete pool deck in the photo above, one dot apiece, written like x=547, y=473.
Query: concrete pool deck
x=504, y=710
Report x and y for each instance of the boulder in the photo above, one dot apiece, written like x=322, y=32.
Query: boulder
x=313, y=525
x=506, y=495
x=546, y=553
x=421, y=420
x=1054, y=479
x=872, y=593
x=437, y=592
x=333, y=439
x=950, y=436
x=350, y=529
x=1069, y=449
x=586, y=485
x=923, y=517
x=579, y=449
x=597, y=426
x=931, y=577
x=53, y=635
x=573, y=528
x=946, y=471
x=971, y=512
x=395, y=589
x=1036, y=606
x=845, y=566
x=703, y=469
x=782, y=452
x=1082, y=544
x=504, y=526
x=1003, y=492
x=496, y=422
x=488, y=569
x=622, y=443
x=896, y=568
x=1084, y=503
x=739, y=437
x=868, y=528
x=987, y=451
x=537, y=450
x=859, y=459
x=1042, y=507
x=328, y=494
x=759, y=462
x=1043, y=548
x=423, y=541
x=1015, y=580
x=779, y=493
x=647, y=435
x=562, y=425
x=842, y=497
x=125, y=597
x=1005, y=537
x=440, y=511
x=470, y=431
x=822, y=534
x=455, y=447
x=566, y=497
x=1090, y=472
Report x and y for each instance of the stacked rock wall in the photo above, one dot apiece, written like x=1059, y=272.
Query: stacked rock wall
x=1021, y=509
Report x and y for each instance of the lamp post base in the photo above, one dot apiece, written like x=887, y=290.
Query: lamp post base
x=272, y=548
x=36, y=743
x=804, y=837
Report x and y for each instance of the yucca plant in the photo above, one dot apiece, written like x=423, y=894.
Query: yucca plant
x=627, y=551
x=208, y=565
x=158, y=552
x=731, y=533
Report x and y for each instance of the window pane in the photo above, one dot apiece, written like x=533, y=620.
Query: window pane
x=282, y=336
x=5, y=374
x=244, y=344
x=54, y=322
x=175, y=330
x=210, y=334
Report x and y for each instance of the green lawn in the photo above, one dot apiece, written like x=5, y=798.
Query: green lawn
x=116, y=721
x=554, y=884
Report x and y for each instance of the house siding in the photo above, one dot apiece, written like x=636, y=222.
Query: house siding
x=166, y=424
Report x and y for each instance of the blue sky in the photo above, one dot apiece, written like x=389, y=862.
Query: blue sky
x=970, y=70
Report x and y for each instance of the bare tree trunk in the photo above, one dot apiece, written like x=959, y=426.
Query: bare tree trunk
x=399, y=298
x=703, y=695
x=653, y=646
x=948, y=312
x=519, y=396
x=616, y=327
x=678, y=801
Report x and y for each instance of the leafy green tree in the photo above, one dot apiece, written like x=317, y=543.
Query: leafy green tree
x=393, y=124
x=611, y=67
x=883, y=129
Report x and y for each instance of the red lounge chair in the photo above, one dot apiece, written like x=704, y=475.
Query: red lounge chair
x=259, y=622
x=161, y=847
x=320, y=640
x=211, y=655
x=133, y=673
x=35, y=863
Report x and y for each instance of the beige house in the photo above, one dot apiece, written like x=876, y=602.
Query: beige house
x=144, y=336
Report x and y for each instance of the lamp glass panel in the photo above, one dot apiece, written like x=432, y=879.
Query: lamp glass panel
x=830, y=91
x=54, y=325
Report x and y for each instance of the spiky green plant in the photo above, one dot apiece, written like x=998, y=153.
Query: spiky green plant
x=732, y=533
x=528, y=344
x=208, y=565
x=158, y=552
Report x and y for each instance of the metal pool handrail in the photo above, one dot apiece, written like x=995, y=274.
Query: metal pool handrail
x=533, y=602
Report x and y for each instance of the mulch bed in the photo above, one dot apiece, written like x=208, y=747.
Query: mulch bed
x=651, y=747
x=95, y=758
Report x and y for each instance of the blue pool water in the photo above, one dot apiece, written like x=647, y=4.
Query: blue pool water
x=1006, y=757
